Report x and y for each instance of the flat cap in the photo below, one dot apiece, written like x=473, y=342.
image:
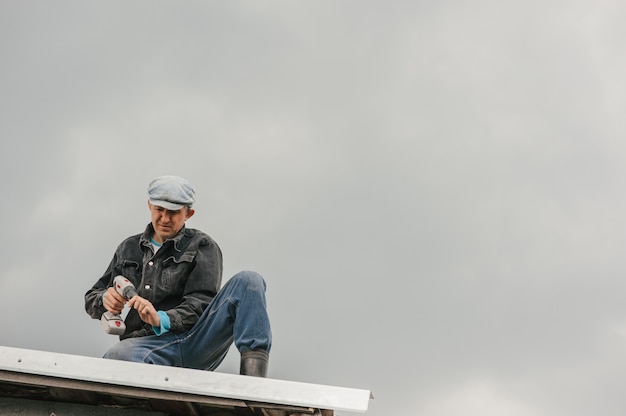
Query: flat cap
x=171, y=192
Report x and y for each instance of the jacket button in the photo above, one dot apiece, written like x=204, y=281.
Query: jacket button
x=147, y=286
x=150, y=263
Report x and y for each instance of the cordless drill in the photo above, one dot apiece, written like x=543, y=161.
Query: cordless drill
x=114, y=324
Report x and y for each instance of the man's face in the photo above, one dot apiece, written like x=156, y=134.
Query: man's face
x=168, y=223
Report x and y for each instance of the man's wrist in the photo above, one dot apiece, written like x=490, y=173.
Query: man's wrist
x=164, y=326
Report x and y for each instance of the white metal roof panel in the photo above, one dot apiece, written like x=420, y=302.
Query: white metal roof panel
x=183, y=380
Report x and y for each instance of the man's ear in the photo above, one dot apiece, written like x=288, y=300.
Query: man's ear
x=190, y=212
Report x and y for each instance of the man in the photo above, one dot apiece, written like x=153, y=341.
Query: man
x=180, y=317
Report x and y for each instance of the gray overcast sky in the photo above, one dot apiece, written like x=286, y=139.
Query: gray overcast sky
x=432, y=190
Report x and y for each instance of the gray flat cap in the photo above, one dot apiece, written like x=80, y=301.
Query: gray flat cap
x=171, y=192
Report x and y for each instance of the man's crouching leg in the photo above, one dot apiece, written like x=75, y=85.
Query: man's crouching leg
x=237, y=314
x=252, y=333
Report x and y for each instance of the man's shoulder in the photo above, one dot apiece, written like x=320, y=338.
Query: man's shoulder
x=136, y=238
x=195, y=233
x=131, y=239
x=198, y=235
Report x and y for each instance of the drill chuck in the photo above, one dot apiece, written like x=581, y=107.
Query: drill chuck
x=129, y=292
x=124, y=287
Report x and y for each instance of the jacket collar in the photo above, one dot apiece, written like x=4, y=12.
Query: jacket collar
x=149, y=231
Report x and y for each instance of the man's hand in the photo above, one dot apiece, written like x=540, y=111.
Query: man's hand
x=113, y=301
x=146, y=310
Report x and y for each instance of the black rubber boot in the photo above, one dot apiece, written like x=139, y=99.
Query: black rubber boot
x=254, y=363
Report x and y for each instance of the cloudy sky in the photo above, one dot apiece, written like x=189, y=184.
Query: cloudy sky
x=434, y=191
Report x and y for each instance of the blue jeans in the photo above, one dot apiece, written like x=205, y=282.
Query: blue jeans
x=238, y=313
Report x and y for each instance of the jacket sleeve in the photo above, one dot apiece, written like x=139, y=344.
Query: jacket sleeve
x=93, y=297
x=201, y=286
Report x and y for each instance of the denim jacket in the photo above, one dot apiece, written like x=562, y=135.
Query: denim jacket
x=181, y=279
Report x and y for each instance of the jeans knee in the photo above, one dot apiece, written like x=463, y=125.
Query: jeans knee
x=251, y=279
x=118, y=352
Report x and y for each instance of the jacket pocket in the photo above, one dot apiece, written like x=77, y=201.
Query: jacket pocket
x=176, y=270
x=130, y=270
